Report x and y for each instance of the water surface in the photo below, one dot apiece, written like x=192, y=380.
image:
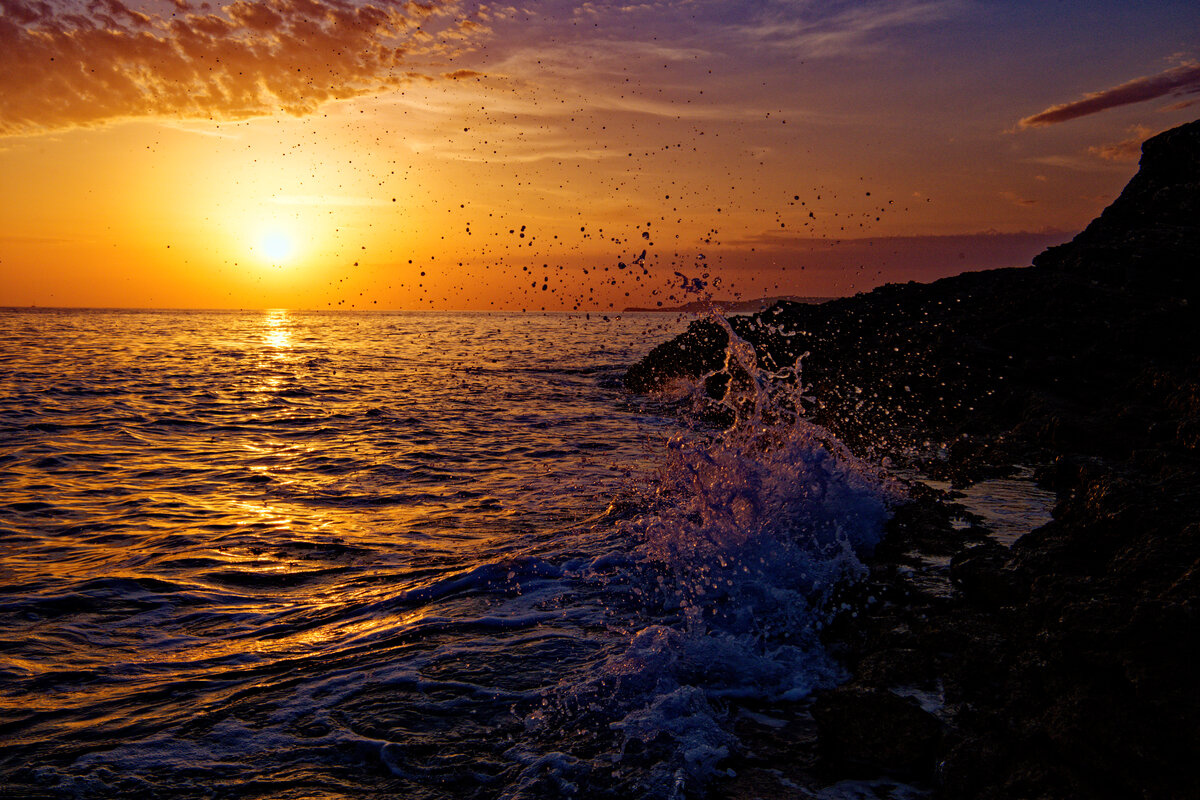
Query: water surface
x=302, y=554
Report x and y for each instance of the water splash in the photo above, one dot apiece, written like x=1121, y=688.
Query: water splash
x=774, y=495
x=741, y=541
x=393, y=562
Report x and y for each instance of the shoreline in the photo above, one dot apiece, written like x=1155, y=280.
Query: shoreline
x=1064, y=665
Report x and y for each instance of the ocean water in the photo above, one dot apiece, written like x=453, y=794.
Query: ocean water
x=299, y=554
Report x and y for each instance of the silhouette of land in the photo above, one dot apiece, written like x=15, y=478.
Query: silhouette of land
x=1065, y=666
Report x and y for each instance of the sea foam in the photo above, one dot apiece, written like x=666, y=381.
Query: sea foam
x=740, y=541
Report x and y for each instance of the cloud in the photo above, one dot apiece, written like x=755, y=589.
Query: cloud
x=1077, y=163
x=1180, y=106
x=981, y=240
x=826, y=30
x=845, y=266
x=199, y=129
x=1017, y=200
x=64, y=64
x=1177, y=81
x=1126, y=150
x=35, y=239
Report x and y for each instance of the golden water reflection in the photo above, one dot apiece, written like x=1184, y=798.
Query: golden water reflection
x=277, y=331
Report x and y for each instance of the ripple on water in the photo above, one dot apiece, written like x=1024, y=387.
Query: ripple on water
x=310, y=554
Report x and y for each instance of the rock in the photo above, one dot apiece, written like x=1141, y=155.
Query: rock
x=1148, y=233
x=1049, y=355
x=983, y=577
x=896, y=666
x=698, y=350
x=877, y=730
x=1068, y=662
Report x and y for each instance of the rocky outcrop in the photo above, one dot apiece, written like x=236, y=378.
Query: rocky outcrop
x=876, y=730
x=1065, y=666
x=1148, y=233
x=1056, y=356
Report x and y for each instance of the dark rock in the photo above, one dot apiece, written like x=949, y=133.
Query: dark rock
x=876, y=729
x=1050, y=355
x=1067, y=662
x=697, y=351
x=1148, y=233
x=896, y=666
x=983, y=576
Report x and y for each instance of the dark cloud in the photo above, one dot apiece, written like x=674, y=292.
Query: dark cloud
x=1181, y=80
x=65, y=64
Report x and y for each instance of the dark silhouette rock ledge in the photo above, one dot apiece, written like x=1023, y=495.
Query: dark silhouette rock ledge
x=1064, y=666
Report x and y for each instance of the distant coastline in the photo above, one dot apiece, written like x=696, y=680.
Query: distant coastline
x=727, y=306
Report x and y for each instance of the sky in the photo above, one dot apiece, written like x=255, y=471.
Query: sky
x=560, y=155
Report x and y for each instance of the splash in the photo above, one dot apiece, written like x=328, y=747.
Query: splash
x=773, y=485
x=741, y=541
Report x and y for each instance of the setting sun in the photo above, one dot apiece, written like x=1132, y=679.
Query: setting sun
x=276, y=246
x=685, y=399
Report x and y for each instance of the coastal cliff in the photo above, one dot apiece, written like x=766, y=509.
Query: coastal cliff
x=1065, y=664
x=1049, y=355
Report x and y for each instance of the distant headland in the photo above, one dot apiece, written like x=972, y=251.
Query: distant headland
x=729, y=306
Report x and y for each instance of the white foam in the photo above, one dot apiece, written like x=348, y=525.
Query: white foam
x=744, y=536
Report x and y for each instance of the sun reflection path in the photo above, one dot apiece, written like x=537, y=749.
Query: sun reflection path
x=277, y=331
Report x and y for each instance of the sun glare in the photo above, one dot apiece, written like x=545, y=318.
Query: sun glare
x=276, y=246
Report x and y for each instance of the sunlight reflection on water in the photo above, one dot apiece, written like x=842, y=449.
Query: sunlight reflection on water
x=277, y=332
x=285, y=520
x=1008, y=507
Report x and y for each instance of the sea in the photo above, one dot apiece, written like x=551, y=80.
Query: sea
x=302, y=554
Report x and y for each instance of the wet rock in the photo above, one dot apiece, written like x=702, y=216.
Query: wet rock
x=925, y=527
x=895, y=666
x=697, y=351
x=1067, y=663
x=983, y=576
x=877, y=730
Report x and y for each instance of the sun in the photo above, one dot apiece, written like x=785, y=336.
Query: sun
x=276, y=246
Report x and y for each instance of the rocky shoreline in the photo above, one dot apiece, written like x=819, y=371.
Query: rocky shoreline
x=1064, y=666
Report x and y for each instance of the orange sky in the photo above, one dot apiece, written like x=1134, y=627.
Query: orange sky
x=315, y=154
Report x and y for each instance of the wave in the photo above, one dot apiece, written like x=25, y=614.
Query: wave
x=407, y=587
x=742, y=537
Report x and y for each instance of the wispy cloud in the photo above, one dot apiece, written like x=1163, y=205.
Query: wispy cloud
x=1076, y=163
x=1125, y=150
x=1017, y=199
x=64, y=64
x=595, y=77
x=817, y=30
x=1177, y=81
x=35, y=239
x=1181, y=105
x=915, y=242
x=529, y=153
x=199, y=129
